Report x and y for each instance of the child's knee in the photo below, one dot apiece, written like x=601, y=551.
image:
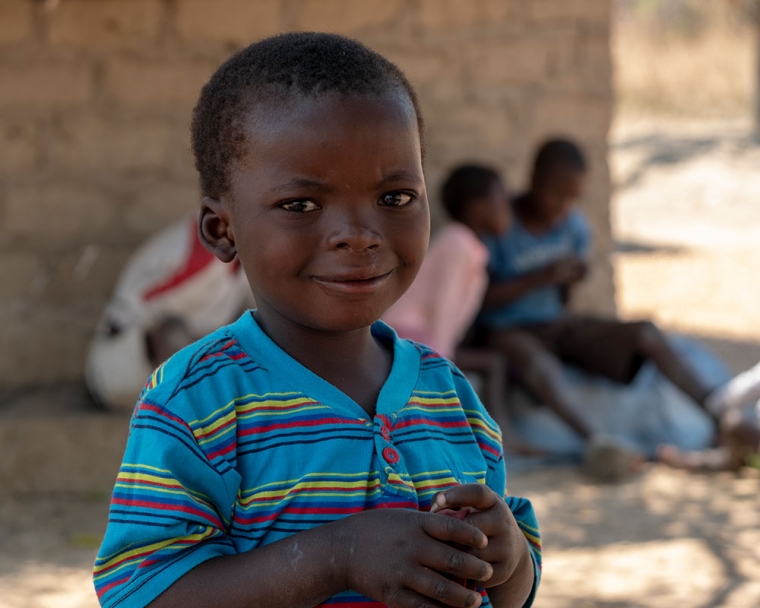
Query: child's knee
x=540, y=366
x=648, y=336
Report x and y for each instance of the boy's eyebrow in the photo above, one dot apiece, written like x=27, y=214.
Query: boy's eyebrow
x=305, y=182
x=398, y=176
x=301, y=182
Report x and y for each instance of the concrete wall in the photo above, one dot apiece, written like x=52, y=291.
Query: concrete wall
x=95, y=98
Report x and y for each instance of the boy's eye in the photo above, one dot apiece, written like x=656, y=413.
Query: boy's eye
x=302, y=206
x=396, y=199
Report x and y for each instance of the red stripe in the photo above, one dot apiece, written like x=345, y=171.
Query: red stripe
x=198, y=259
x=294, y=425
x=163, y=413
x=428, y=422
x=317, y=489
x=438, y=404
x=161, y=506
x=110, y=586
x=223, y=451
x=354, y=604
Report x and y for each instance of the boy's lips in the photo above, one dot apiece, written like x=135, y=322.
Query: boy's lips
x=353, y=282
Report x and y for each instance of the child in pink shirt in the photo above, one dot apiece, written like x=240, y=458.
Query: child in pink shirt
x=442, y=302
x=447, y=294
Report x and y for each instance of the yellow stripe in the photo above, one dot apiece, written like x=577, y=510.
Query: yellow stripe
x=144, y=466
x=424, y=400
x=486, y=428
x=148, y=478
x=425, y=484
x=289, y=482
x=236, y=400
x=451, y=392
x=215, y=437
x=437, y=410
x=296, y=411
x=312, y=487
x=151, y=549
x=279, y=500
x=426, y=473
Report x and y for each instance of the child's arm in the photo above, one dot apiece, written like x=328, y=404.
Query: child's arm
x=390, y=555
x=563, y=273
x=508, y=552
x=168, y=541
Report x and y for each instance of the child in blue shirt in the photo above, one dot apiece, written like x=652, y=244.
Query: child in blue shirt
x=301, y=455
x=534, y=268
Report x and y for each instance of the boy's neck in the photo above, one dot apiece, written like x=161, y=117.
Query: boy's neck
x=474, y=227
x=527, y=210
x=353, y=361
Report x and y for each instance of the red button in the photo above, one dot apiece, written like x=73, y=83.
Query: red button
x=385, y=433
x=390, y=455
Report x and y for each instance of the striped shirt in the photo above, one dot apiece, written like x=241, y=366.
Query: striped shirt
x=235, y=445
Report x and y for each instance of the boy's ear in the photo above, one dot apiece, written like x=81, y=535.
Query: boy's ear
x=215, y=229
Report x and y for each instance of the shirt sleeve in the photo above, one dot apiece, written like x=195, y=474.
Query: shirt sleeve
x=581, y=234
x=488, y=436
x=170, y=511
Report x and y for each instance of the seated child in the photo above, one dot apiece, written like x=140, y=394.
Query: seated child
x=534, y=267
x=170, y=293
x=300, y=455
x=446, y=296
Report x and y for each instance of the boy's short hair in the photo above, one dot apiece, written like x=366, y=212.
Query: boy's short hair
x=304, y=63
x=558, y=154
x=465, y=184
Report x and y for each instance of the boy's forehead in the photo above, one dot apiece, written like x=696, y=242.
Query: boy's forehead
x=329, y=137
x=267, y=111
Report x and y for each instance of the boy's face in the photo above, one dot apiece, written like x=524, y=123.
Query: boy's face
x=557, y=192
x=497, y=209
x=328, y=211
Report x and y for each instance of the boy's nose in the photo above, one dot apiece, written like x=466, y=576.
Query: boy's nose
x=355, y=234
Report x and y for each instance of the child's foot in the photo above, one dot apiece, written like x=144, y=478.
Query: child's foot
x=701, y=461
x=610, y=459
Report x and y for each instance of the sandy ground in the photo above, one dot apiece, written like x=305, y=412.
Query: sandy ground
x=687, y=221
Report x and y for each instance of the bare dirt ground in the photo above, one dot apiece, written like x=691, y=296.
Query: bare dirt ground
x=687, y=222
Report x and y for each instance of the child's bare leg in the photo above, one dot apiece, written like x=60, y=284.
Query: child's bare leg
x=492, y=366
x=542, y=374
x=654, y=346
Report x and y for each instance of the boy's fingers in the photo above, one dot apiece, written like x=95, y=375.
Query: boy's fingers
x=491, y=522
x=440, y=589
x=452, y=530
x=458, y=563
x=474, y=495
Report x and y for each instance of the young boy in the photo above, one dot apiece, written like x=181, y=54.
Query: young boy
x=534, y=268
x=446, y=296
x=292, y=458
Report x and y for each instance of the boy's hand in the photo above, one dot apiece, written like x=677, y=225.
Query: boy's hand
x=399, y=557
x=567, y=271
x=507, y=549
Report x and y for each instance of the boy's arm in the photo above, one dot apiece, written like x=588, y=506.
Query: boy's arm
x=168, y=542
x=354, y=553
x=302, y=570
x=563, y=273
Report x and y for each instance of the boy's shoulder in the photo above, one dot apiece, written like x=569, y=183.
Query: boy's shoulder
x=215, y=365
x=576, y=219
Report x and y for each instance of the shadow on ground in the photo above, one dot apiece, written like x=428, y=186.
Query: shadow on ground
x=665, y=149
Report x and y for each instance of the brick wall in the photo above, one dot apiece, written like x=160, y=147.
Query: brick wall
x=95, y=98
